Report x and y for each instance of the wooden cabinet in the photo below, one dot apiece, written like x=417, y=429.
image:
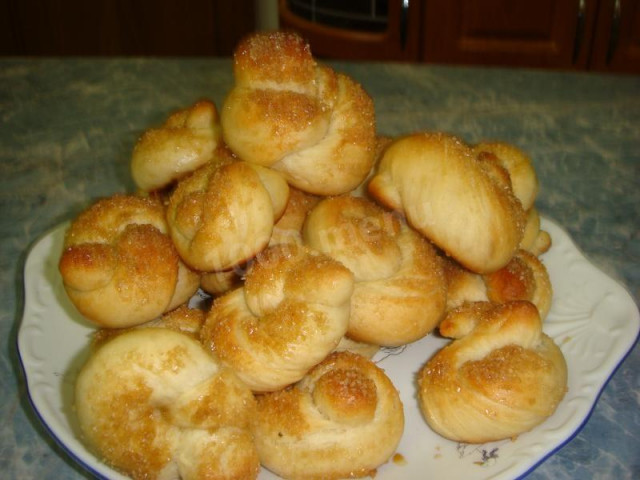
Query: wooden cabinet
x=601, y=35
x=123, y=27
x=616, y=42
x=540, y=33
x=373, y=30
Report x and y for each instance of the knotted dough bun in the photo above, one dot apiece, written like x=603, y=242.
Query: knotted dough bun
x=524, y=278
x=525, y=186
x=220, y=282
x=290, y=314
x=119, y=266
x=500, y=377
x=183, y=319
x=288, y=229
x=153, y=403
x=535, y=240
x=287, y=112
x=223, y=214
x=399, y=293
x=462, y=204
x=183, y=143
x=522, y=175
x=342, y=420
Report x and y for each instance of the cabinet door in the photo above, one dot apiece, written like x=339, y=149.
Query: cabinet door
x=123, y=27
x=616, y=46
x=356, y=30
x=532, y=33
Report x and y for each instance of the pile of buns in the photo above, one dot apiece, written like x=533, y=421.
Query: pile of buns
x=317, y=241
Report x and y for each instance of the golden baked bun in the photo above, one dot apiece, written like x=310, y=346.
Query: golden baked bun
x=522, y=175
x=524, y=278
x=119, y=266
x=464, y=205
x=183, y=143
x=525, y=186
x=223, y=214
x=152, y=403
x=399, y=293
x=500, y=377
x=463, y=285
x=287, y=112
x=218, y=283
x=290, y=314
x=182, y=319
x=535, y=240
x=382, y=142
x=343, y=420
x=288, y=228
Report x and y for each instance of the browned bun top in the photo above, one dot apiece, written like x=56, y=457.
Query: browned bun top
x=400, y=291
x=303, y=119
x=463, y=205
x=342, y=420
x=223, y=214
x=119, y=266
x=291, y=312
x=522, y=175
x=500, y=377
x=186, y=141
x=272, y=57
x=152, y=403
x=525, y=277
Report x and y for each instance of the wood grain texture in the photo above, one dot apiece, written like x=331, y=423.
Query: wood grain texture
x=123, y=28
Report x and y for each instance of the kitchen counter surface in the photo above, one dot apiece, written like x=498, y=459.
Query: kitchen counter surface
x=68, y=126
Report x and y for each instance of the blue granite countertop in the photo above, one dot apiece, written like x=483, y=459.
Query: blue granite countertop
x=67, y=128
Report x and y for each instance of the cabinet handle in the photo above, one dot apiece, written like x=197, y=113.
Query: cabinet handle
x=577, y=45
x=404, y=20
x=615, y=31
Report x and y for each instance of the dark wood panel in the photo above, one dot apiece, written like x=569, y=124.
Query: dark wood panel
x=233, y=19
x=616, y=46
x=504, y=32
x=125, y=27
x=601, y=35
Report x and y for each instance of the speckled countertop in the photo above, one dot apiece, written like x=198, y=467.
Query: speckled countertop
x=67, y=128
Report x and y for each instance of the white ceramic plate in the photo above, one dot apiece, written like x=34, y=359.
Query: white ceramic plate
x=593, y=319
